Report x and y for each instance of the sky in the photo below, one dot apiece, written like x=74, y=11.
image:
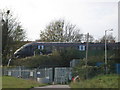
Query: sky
x=91, y=16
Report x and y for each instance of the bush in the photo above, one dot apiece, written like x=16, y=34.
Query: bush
x=87, y=71
x=40, y=60
x=69, y=54
x=100, y=81
x=94, y=59
x=61, y=57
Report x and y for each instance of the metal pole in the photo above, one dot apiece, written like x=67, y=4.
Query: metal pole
x=87, y=55
x=105, y=53
x=106, y=68
x=9, y=62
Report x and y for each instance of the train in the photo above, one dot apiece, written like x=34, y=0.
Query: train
x=30, y=49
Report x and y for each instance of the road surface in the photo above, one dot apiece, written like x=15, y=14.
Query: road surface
x=52, y=87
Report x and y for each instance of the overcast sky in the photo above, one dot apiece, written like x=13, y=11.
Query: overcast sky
x=93, y=16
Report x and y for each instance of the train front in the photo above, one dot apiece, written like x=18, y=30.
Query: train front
x=19, y=52
x=23, y=51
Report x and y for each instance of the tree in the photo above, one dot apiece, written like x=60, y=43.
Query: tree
x=72, y=33
x=69, y=54
x=18, y=34
x=91, y=38
x=11, y=32
x=53, y=32
x=109, y=38
x=60, y=31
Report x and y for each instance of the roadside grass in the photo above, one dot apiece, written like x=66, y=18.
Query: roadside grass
x=13, y=82
x=101, y=81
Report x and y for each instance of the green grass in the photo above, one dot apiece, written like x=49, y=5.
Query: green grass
x=12, y=82
x=104, y=81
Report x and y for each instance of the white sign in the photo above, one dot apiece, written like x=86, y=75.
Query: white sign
x=9, y=73
x=38, y=72
x=31, y=74
x=47, y=77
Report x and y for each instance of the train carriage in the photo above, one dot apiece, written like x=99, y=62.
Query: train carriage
x=47, y=47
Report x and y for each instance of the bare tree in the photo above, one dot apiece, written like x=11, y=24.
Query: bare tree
x=109, y=38
x=60, y=31
x=91, y=38
x=11, y=32
x=72, y=33
x=18, y=34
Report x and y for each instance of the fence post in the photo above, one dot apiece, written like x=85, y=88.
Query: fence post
x=20, y=71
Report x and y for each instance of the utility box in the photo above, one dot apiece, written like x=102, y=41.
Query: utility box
x=74, y=62
x=118, y=68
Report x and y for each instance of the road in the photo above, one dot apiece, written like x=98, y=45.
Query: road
x=52, y=87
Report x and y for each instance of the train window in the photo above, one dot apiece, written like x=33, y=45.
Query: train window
x=82, y=48
x=42, y=47
x=38, y=46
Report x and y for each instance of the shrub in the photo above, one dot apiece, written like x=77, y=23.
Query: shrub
x=57, y=58
x=87, y=71
x=40, y=60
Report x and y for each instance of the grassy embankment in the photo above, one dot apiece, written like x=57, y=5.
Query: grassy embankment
x=102, y=81
x=12, y=82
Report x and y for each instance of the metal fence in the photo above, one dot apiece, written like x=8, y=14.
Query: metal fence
x=62, y=75
x=42, y=75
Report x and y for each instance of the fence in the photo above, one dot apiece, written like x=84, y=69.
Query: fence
x=42, y=75
x=62, y=75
